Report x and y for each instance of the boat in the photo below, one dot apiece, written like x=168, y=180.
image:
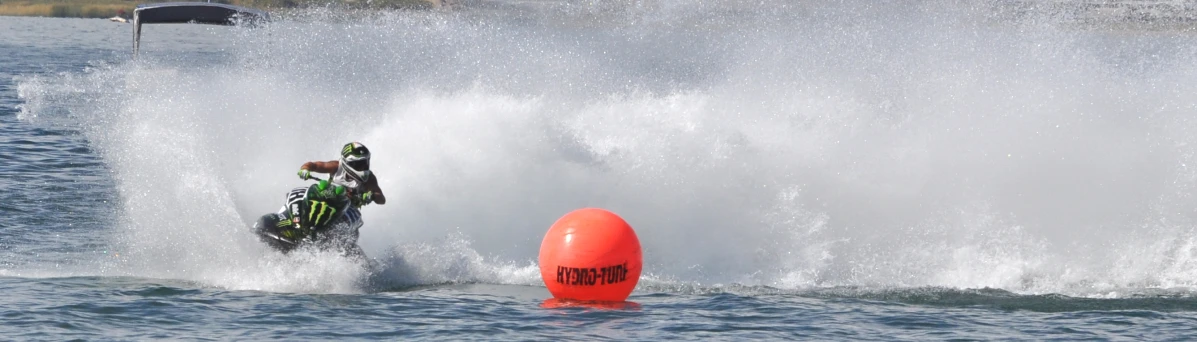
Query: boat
x=193, y=13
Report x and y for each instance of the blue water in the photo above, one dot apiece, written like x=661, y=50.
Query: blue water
x=838, y=171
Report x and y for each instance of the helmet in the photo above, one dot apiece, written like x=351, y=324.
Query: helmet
x=355, y=159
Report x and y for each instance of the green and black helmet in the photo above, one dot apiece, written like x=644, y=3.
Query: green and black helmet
x=355, y=158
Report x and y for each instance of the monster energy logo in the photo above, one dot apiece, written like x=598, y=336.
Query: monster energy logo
x=290, y=234
x=319, y=208
x=348, y=148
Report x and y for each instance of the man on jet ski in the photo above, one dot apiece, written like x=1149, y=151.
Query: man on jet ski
x=351, y=171
x=329, y=207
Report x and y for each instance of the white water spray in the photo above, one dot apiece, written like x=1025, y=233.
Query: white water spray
x=789, y=145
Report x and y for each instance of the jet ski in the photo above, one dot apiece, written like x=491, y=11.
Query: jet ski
x=320, y=216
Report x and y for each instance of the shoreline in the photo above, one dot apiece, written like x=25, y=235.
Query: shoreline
x=106, y=9
x=100, y=11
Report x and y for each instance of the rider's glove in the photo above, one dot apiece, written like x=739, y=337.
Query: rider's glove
x=304, y=174
x=367, y=197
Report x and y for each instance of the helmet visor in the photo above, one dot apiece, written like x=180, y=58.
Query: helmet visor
x=358, y=165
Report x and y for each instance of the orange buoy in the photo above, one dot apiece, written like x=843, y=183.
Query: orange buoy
x=591, y=255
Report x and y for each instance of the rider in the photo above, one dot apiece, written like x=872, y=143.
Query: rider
x=331, y=207
x=352, y=171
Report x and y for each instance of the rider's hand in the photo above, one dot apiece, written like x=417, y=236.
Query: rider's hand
x=367, y=197
x=304, y=174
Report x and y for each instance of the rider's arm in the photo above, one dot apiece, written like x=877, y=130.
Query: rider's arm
x=321, y=167
x=372, y=185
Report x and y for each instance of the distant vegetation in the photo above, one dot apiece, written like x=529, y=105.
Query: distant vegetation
x=124, y=8
x=51, y=8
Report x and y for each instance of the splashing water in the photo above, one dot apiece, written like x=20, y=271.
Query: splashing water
x=786, y=145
